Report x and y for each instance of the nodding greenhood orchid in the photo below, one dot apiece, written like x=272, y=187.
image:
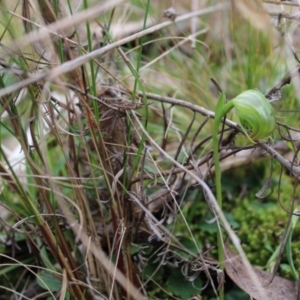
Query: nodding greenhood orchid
x=255, y=113
x=257, y=118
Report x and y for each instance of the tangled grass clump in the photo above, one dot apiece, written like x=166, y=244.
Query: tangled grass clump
x=108, y=181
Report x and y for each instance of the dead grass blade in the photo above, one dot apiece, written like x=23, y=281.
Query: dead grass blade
x=254, y=12
x=69, y=66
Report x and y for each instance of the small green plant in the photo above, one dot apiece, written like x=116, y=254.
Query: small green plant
x=257, y=119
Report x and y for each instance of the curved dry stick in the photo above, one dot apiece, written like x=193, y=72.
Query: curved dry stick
x=295, y=171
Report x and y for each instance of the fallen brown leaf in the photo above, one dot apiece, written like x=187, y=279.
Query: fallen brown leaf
x=278, y=289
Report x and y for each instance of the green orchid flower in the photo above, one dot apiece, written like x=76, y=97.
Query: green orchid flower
x=256, y=115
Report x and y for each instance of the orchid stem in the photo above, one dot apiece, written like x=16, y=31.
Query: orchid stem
x=221, y=111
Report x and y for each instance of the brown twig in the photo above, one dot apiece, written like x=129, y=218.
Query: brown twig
x=279, y=2
x=285, y=81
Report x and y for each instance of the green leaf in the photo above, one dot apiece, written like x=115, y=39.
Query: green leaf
x=235, y=294
x=220, y=104
x=181, y=288
x=189, y=244
x=231, y=220
x=285, y=267
x=152, y=271
x=48, y=282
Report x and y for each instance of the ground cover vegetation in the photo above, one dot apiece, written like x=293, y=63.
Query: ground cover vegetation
x=134, y=162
